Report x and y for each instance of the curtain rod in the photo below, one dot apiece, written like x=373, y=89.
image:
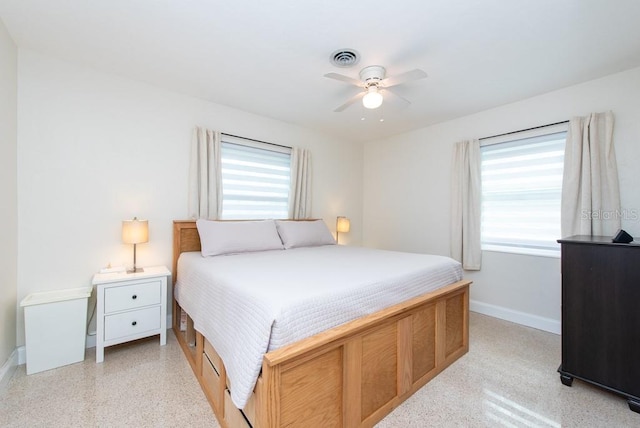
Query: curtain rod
x=523, y=130
x=257, y=141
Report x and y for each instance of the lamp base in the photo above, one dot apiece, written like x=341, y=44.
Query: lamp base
x=135, y=270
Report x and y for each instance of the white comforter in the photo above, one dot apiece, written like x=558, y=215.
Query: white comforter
x=248, y=304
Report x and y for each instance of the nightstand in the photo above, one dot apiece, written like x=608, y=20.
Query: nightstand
x=130, y=306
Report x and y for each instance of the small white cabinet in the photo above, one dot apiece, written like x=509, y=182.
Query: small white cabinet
x=130, y=306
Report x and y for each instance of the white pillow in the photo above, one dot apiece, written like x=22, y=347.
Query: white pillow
x=304, y=233
x=229, y=237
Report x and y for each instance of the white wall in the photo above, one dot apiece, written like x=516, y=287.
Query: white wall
x=94, y=149
x=8, y=194
x=406, y=191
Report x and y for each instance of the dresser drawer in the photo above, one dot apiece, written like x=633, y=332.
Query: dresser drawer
x=132, y=296
x=131, y=323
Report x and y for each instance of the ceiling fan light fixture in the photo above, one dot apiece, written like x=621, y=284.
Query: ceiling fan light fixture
x=372, y=99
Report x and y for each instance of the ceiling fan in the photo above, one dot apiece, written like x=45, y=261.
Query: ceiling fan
x=376, y=85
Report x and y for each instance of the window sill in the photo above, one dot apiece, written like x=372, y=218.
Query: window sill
x=523, y=251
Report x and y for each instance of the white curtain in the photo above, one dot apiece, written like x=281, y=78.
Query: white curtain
x=465, y=204
x=300, y=190
x=205, y=175
x=590, y=188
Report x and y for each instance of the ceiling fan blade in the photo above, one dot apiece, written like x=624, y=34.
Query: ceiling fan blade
x=349, y=102
x=403, y=78
x=345, y=79
x=400, y=101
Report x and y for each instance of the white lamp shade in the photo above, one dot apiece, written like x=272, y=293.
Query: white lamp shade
x=135, y=231
x=372, y=99
x=343, y=225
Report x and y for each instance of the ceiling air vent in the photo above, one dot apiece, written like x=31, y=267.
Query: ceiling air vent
x=345, y=58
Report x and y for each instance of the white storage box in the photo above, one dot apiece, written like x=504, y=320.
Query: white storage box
x=55, y=328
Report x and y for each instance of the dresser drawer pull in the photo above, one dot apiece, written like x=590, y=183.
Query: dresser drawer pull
x=134, y=323
x=134, y=297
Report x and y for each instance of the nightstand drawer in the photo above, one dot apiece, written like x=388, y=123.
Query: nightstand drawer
x=131, y=323
x=132, y=296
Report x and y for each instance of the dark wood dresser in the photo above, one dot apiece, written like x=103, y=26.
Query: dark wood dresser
x=601, y=315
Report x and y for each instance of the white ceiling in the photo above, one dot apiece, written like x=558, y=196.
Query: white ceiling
x=269, y=57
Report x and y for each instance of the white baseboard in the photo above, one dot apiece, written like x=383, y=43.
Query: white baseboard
x=22, y=355
x=535, y=321
x=90, y=342
x=7, y=369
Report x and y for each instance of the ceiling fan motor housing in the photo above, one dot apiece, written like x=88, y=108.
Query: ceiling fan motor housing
x=372, y=75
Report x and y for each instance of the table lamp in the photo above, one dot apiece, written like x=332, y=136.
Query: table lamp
x=342, y=226
x=135, y=232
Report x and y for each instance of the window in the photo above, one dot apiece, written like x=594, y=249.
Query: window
x=255, y=179
x=521, y=192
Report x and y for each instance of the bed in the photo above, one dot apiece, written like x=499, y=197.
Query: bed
x=349, y=375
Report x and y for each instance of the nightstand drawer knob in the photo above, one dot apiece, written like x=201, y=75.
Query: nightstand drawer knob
x=134, y=297
x=134, y=323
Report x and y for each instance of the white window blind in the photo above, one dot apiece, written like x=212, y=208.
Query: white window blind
x=521, y=192
x=255, y=180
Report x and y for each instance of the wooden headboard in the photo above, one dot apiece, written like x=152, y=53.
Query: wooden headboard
x=185, y=238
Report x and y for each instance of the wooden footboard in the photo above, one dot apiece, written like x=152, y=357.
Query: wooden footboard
x=349, y=376
x=357, y=373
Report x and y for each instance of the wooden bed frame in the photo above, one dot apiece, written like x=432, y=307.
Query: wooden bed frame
x=352, y=375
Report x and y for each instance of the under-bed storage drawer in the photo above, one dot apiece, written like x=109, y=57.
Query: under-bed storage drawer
x=212, y=382
x=216, y=387
x=213, y=357
x=214, y=376
x=249, y=410
x=232, y=416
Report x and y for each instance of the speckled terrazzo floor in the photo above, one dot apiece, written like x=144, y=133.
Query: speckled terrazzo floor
x=138, y=385
x=508, y=379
